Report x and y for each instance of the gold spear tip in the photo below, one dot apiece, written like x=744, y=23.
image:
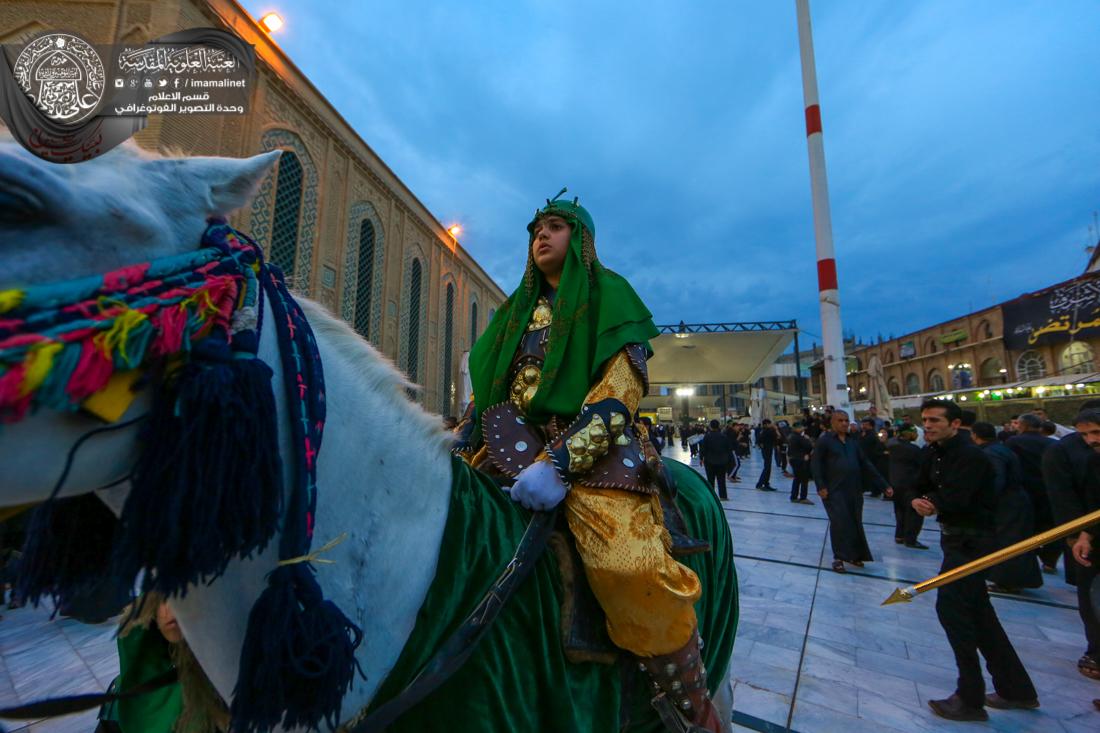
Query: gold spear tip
x=900, y=595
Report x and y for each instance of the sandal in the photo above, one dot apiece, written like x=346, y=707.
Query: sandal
x=1088, y=666
x=838, y=566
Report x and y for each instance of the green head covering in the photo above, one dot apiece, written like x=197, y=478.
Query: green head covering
x=596, y=313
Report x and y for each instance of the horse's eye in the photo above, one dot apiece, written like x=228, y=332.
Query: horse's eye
x=17, y=205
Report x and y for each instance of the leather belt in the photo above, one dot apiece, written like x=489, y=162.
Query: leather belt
x=952, y=531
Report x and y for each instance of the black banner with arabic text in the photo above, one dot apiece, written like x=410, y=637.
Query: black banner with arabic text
x=1067, y=312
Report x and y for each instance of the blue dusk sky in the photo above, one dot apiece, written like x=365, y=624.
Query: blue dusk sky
x=962, y=140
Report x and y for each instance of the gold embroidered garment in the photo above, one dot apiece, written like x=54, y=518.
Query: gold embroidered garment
x=647, y=596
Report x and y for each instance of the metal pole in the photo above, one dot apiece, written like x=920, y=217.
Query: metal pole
x=798, y=374
x=832, y=334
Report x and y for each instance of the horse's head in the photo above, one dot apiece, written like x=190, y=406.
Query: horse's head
x=59, y=222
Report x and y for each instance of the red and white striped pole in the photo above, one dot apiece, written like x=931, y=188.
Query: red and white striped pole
x=832, y=335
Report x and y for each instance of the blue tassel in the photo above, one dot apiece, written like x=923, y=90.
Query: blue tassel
x=298, y=658
x=67, y=550
x=207, y=485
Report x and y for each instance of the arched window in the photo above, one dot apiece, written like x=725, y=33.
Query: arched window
x=473, y=323
x=961, y=377
x=412, y=367
x=1076, y=359
x=288, y=205
x=993, y=371
x=448, y=347
x=889, y=357
x=930, y=347
x=893, y=387
x=1030, y=365
x=935, y=381
x=912, y=384
x=983, y=332
x=364, y=285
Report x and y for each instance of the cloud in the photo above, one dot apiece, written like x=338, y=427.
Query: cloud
x=960, y=141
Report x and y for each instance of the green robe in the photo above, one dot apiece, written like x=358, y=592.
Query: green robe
x=518, y=678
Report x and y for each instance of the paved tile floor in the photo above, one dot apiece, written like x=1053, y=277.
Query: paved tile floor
x=815, y=651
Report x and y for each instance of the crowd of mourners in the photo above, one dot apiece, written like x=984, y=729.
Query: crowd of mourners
x=988, y=486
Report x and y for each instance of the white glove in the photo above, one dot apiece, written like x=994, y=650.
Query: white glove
x=539, y=487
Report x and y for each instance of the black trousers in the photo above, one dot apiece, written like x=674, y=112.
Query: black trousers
x=801, y=483
x=766, y=475
x=972, y=626
x=716, y=472
x=781, y=459
x=907, y=522
x=735, y=464
x=1090, y=615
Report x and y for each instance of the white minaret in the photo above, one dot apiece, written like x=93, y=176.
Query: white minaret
x=832, y=336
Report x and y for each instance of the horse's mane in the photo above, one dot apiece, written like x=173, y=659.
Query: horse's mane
x=377, y=373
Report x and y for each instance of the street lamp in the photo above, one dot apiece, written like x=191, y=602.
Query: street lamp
x=454, y=230
x=683, y=393
x=271, y=22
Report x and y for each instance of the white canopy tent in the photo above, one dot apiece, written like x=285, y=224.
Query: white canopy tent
x=712, y=353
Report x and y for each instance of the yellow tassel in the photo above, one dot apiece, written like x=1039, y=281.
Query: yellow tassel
x=205, y=308
x=315, y=555
x=10, y=299
x=39, y=361
x=117, y=335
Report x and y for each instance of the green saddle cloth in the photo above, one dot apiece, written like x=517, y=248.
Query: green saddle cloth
x=518, y=679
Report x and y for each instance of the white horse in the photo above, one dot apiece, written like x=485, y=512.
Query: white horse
x=384, y=472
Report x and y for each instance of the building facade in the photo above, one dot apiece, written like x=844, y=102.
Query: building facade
x=1037, y=346
x=342, y=225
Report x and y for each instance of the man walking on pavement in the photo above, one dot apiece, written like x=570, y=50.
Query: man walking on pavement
x=958, y=485
x=904, y=459
x=1070, y=472
x=841, y=471
x=714, y=451
x=874, y=449
x=766, y=442
x=1029, y=447
x=799, y=448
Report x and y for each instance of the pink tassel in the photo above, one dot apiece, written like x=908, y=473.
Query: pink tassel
x=169, y=324
x=91, y=373
x=125, y=278
x=11, y=383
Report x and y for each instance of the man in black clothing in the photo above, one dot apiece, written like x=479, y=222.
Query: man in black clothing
x=1029, y=447
x=1014, y=521
x=969, y=417
x=874, y=449
x=842, y=473
x=714, y=452
x=799, y=448
x=958, y=484
x=904, y=464
x=1070, y=473
x=766, y=440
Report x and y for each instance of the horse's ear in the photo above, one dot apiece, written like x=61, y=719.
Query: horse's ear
x=238, y=188
x=230, y=183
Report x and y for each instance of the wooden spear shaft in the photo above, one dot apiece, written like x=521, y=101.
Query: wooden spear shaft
x=904, y=595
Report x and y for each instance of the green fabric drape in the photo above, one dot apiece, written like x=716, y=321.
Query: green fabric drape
x=596, y=313
x=518, y=678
